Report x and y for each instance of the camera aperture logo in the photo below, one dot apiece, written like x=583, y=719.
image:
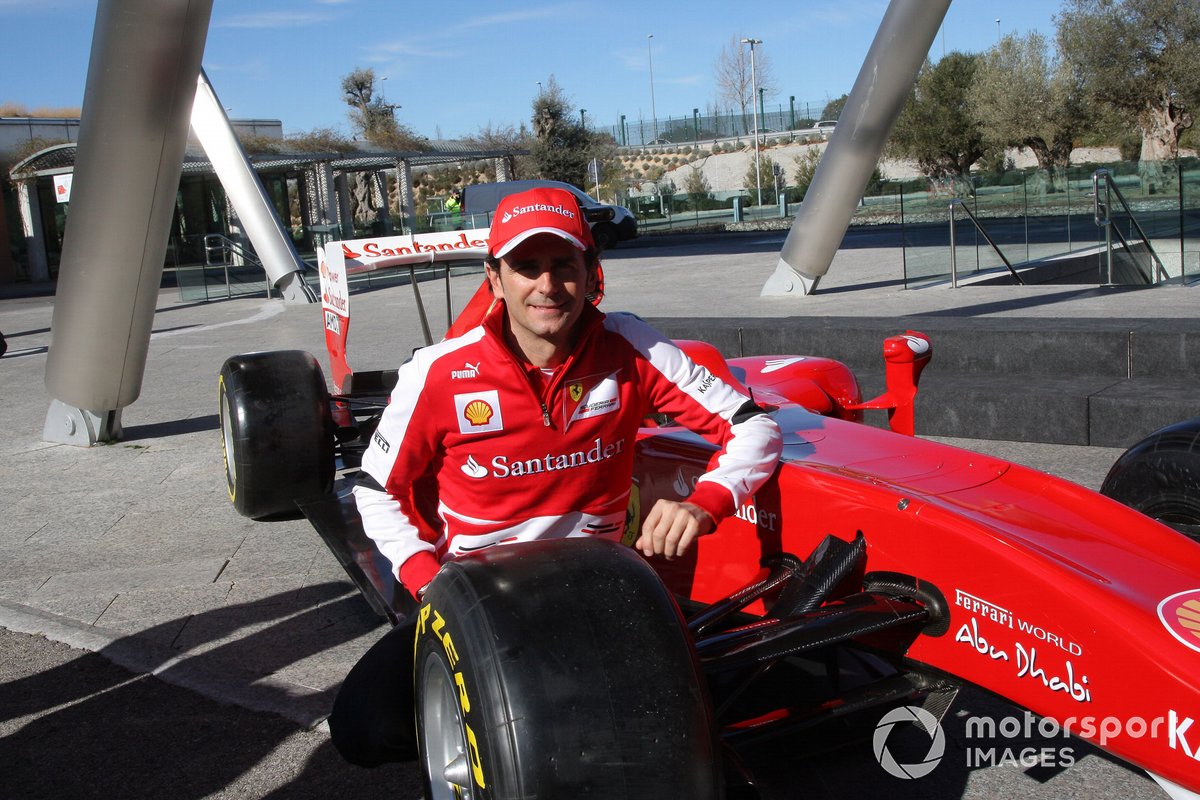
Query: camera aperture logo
x=923, y=720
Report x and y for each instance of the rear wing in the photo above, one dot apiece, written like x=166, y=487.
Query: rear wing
x=337, y=260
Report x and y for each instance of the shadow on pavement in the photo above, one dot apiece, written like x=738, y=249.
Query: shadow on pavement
x=77, y=725
x=177, y=427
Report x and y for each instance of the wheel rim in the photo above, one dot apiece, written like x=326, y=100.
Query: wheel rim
x=227, y=444
x=443, y=743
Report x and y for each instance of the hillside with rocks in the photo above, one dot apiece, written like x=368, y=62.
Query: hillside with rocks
x=725, y=166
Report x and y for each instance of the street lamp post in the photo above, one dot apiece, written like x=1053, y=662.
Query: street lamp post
x=650, y=61
x=391, y=109
x=997, y=30
x=582, y=120
x=695, y=124
x=754, y=100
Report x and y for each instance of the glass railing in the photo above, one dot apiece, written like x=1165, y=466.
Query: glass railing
x=1031, y=215
x=1127, y=256
x=1189, y=219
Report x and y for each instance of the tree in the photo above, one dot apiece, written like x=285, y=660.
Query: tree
x=935, y=128
x=732, y=73
x=374, y=119
x=765, y=173
x=806, y=167
x=698, y=189
x=514, y=140
x=320, y=140
x=562, y=146
x=1024, y=96
x=1141, y=58
x=833, y=109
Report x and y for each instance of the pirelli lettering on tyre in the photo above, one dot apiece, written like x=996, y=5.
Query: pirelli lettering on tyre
x=431, y=623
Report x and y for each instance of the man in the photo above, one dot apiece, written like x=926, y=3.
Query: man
x=524, y=428
x=453, y=206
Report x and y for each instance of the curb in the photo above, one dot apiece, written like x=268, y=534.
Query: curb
x=223, y=683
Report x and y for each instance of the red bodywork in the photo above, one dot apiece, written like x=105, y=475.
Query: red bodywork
x=1054, y=591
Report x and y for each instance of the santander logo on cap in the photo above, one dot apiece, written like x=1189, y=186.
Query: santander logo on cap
x=536, y=211
x=513, y=212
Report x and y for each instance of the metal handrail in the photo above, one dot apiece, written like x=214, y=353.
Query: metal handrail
x=957, y=202
x=1102, y=215
x=219, y=243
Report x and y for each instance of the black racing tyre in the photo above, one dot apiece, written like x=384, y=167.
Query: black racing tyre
x=559, y=669
x=605, y=235
x=276, y=431
x=1160, y=477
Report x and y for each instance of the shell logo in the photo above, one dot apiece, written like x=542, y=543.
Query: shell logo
x=478, y=412
x=1180, y=615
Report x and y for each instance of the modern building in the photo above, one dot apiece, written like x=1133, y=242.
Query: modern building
x=316, y=195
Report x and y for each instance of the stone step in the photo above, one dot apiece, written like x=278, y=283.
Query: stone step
x=1083, y=381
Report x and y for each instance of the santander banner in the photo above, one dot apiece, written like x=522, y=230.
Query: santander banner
x=364, y=255
x=337, y=260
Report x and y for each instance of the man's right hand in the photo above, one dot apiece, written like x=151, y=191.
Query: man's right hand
x=671, y=526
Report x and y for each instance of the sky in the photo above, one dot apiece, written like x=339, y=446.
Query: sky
x=455, y=68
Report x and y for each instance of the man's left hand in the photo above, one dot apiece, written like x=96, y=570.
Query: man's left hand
x=671, y=526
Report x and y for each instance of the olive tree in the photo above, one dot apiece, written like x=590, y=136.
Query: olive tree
x=562, y=146
x=936, y=127
x=1024, y=96
x=1140, y=58
x=372, y=117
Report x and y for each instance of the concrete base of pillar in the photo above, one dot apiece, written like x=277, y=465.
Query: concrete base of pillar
x=69, y=425
x=786, y=282
x=293, y=289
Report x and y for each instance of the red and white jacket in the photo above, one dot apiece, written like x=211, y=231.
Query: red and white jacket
x=476, y=448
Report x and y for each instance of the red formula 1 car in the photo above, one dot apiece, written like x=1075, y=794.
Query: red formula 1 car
x=875, y=570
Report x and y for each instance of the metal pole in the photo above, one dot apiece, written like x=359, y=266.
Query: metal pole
x=903, y=248
x=141, y=81
x=953, y=251
x=650, y=61
x=754, y=100
x=899, y=49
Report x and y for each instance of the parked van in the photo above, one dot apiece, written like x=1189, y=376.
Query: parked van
x=607, y=228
